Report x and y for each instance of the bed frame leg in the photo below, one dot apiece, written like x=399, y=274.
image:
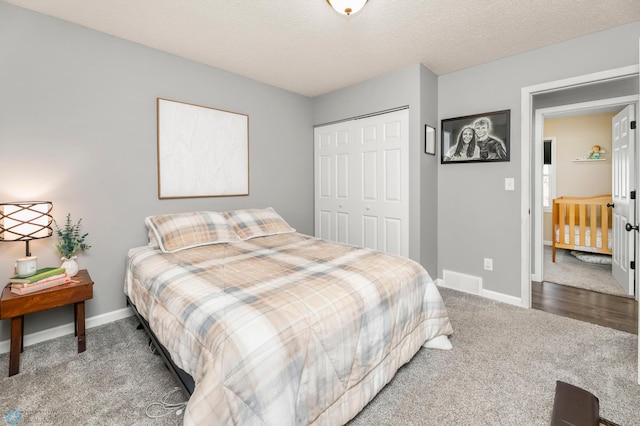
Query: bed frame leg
x=553, y=254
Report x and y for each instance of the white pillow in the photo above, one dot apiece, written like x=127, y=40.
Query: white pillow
x=439, y=342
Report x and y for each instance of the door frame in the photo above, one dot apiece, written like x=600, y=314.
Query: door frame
x=541, y=114
x=527, y=139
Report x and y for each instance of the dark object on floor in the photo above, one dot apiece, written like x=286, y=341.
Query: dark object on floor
x=575, y=406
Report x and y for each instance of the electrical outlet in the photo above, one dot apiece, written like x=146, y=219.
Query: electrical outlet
x=488, y=264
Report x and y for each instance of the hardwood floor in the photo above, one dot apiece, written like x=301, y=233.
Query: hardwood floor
x=618, y=312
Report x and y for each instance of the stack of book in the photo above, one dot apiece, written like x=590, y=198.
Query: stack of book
x=43, y=278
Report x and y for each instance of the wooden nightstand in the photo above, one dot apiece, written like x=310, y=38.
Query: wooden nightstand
x=15, y=307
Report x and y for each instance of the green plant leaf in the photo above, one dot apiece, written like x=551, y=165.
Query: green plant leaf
x=70, y=238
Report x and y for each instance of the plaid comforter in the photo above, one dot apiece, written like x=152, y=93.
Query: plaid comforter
x=286, y=329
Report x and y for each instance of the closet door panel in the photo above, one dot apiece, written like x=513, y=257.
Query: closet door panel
x=324, y=177
x=367, y=163
x=323, y=227
x=370, y=232
x=392, y=176
x=342, y=227
x=342, y=176
x=393, y=236
x=368, y=176
x=333, y=183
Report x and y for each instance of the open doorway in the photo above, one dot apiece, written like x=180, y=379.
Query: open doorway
x=584, y=92
x=589, y=92
x=530, y=214
x=577, y=163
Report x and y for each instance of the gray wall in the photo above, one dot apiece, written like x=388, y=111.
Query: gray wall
x=78, y=127
x=428, y=174
x=477, y=218
x=415, y=87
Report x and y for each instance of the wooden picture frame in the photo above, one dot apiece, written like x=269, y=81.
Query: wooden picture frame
x=429, y=140
x=202, y=151
x=476, y=138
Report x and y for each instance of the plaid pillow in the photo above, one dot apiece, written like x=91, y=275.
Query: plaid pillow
x=252, y=223
x=180, y=231
x=153, y=241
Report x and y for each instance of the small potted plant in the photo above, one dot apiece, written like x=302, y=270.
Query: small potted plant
x=70, y=241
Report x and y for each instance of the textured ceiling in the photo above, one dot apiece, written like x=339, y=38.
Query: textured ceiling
x=305, y=47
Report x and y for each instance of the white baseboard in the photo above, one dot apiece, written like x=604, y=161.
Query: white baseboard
x=500, y=297
x=52, y=333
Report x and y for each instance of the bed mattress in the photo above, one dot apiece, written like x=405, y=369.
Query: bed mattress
x=285, y=329
x=587, y=237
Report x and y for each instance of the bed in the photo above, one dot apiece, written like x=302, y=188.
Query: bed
x=276, y=327
x=582, y=224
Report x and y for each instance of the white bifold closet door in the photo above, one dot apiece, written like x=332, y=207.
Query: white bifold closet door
x=362, y=182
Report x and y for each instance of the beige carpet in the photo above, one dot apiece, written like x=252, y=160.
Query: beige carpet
x=567, y=270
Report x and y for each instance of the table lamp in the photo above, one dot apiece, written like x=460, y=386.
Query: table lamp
x=25, y=221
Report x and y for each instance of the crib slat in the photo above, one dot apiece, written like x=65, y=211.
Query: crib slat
x=593, y=226
x=583, y=223
x=561, y=221
x=572, y=224
x=604, y=226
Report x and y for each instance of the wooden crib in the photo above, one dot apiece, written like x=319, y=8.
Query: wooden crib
x=587, y=217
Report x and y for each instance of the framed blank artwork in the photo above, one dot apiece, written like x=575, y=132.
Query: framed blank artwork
x=202, y=151
x=429, y=140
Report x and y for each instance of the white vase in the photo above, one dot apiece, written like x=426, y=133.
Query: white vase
x=70, y=265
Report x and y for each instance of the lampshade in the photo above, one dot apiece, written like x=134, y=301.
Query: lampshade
x=25, y=221
x=347, y=7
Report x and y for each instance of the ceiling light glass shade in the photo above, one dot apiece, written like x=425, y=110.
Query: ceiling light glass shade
x=347, y=7
x=25, y=221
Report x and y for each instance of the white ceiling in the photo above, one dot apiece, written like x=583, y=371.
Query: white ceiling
x=305, y=47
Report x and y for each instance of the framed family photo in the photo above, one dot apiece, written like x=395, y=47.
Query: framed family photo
x=476, y=138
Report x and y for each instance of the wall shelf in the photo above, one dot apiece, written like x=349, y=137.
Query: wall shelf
x=585, y=160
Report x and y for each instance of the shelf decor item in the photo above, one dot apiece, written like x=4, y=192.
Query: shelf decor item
x=70, y=241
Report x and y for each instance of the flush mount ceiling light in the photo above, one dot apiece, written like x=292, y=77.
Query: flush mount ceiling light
x=347, y=7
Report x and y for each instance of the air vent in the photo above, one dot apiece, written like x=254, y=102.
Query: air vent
x=462, y=282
